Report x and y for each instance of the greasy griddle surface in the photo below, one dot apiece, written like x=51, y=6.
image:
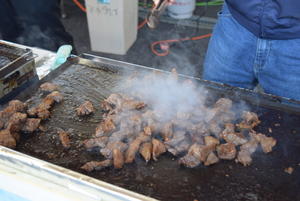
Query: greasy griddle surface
x=265, y=179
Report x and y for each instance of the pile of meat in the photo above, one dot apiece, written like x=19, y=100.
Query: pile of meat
x=132, y=127
x=17, y=119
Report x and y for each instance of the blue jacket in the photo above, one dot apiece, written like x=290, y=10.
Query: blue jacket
x=269, y=19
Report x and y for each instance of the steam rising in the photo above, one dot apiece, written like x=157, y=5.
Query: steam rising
x=166, y=95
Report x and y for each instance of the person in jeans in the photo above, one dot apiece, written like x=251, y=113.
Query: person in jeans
x=34, y=23
x=257, y=41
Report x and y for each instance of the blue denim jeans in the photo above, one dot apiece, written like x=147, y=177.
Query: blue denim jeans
x=237, y=57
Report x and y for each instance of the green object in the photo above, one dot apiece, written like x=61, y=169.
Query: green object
x=210, y=3
x=62, y=55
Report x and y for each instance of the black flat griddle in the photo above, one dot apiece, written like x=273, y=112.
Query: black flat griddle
x=93, y=79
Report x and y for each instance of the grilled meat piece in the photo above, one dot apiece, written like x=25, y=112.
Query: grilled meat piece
x=43, y=113
x=107, y=151
x=132, y=150
x=115, y=100
x=7, y=140
x=96, y=165
x=17, y=106
x=211, y=141
x=244, y=157
x=215, y=128
x=96, y=142
x=49, y=87
x=64, y=139
x=179, y=143
x=31, y=125
x=250, y=146
x=118, y=158
x=223, y=104
x=147, y=130
x=16, y=122
x=146, y=150
x=132, y=105
x=105, y=127
x=229, y=128
x=250, y=120
x=143, y=137
x=235, y=138
x=157, y=148
x=267, y=143
x=56, y=96
x=85, y=109
x=226, y=151
x=167, y=131
x=211, y=159
x=189, y=161
x=106, y=106
x=195, y=155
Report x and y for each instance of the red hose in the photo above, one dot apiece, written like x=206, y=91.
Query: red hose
x=166, y=51
x=80, y=5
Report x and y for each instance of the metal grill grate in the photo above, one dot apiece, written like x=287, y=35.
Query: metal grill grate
x=10, y=54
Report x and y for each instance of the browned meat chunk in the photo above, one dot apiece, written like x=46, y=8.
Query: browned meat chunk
x=227, y=117
x=16, y=122
x=17, y=106
x=105, y=127
x=132, y=150
x=211, y=141
x=85, y=109
x=115, y=99
x=31, y=125
x=47, y=103
x=179, y=143
x=167, y=131
x=146, y=150
x=211, y=159
x=64, y=139
x=13, y=107
x=250, y=120
x=244, y=157
x=147, y=130
x=6, y=139
x=267, y=143
x=189, y=161
x=96, y=142
x=223, y=104
x=143, y=138
x=229, y=128
x=157, y=148
x=289, y=170
x=43, y=113
x=48, y=87
x=57, y=97
x=226, y=151
x=246, y=150
x=235, y=138
x=96, y=165
x=132, y=105
x=32, y=112
x=195, y=155
x=215, y=128
x=118, y=158
x=107, y=151
x=250, y=146
x=106, y=106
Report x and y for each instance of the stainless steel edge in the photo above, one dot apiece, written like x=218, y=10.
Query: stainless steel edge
x=55, y=181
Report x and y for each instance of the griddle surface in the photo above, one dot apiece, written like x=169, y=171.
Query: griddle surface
x=265, y=179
